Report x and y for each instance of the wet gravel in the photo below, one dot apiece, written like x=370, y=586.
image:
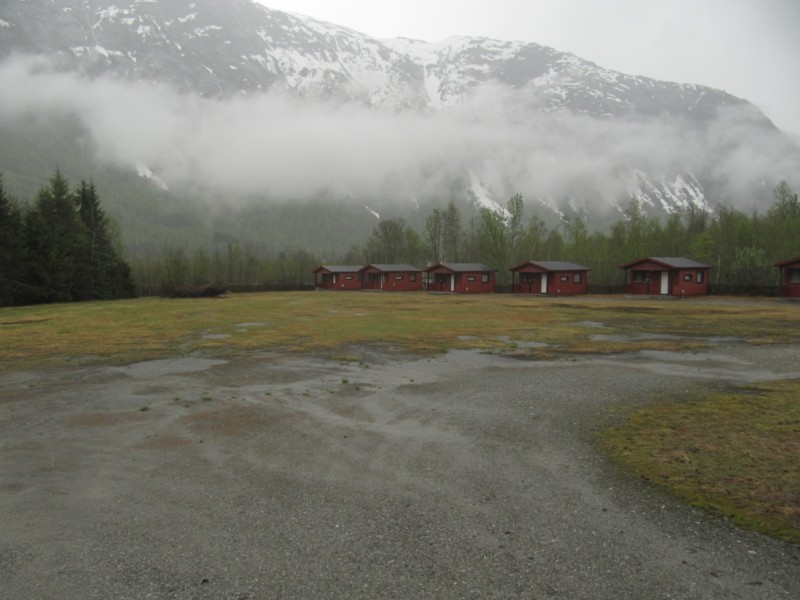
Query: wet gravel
x=278, y=476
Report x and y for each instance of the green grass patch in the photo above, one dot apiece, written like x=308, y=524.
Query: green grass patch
x=733, y=452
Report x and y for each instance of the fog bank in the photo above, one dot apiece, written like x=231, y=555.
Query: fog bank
x=279, y=147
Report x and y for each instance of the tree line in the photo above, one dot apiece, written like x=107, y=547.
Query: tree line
x=64, y=248
x=742, y=248
x=60, y=248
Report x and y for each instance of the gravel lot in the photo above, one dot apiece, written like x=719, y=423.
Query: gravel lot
x=282, y=476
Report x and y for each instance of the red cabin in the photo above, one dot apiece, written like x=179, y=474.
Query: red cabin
x=666, y=277
x=554, y=278
x=391, y=278
x=337, y=277
x=790, y=277
x=463, y=278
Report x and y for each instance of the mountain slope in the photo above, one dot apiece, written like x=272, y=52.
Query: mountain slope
x=210, y=98
x=209, y=47
x=232, y=46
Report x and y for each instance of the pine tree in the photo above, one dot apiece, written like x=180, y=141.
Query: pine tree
x=101, y=272
x=11, y=249
x=54, y=237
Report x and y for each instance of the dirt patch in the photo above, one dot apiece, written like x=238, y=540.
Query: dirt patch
x=230, y=419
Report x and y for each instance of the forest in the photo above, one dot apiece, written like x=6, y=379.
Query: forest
x=742, y=248
x=62, y=247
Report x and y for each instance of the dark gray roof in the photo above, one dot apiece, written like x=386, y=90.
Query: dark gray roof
x=463, y=267
x=388, y=268
x=671, y=262
x=552, y=265
x=340, y=268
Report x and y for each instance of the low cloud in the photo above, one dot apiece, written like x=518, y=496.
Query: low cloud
x=279, y=147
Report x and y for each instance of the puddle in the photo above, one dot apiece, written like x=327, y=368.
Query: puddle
x=591, y=324
x=169, y=366
x=520, y=344
x=715, y=357
x=601, y=337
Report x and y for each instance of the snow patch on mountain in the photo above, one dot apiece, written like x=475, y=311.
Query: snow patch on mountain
x=143, y=171
x=483, y=198
x=671, y=194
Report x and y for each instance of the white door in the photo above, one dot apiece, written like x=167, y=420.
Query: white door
x=665, y=282
x=544, y=283
x=452, y=282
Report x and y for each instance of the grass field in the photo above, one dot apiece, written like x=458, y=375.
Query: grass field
x=128, y=330
x=733, y=452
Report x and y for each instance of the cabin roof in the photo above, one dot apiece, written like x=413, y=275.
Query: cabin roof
x=391, y=268
x=551, y=265
x=669, y=262
x=462, y=267
x=339, y=268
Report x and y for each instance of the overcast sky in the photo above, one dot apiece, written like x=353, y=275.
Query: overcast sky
x=749, y=48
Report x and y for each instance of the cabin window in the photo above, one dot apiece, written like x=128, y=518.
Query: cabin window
x=687, y=276
x=398, y=278
x=526, y=277
x=348, y=277
x=700, y=276
x=412, y=277
x=641, y=277
x=794, y=275
x=471, y=278
x=485, y=278
x=578, y=278
x=565, y=279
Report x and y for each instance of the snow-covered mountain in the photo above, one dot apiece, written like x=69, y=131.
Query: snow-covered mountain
x=692, y=140
x=233, y=46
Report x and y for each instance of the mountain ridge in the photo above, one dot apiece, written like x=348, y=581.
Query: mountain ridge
x=494, y=116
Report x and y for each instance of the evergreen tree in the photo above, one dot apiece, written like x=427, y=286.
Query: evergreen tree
x=12, y=246
x=54, y=237
x=101, y=272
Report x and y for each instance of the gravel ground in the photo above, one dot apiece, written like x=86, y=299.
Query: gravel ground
x=278, y=476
